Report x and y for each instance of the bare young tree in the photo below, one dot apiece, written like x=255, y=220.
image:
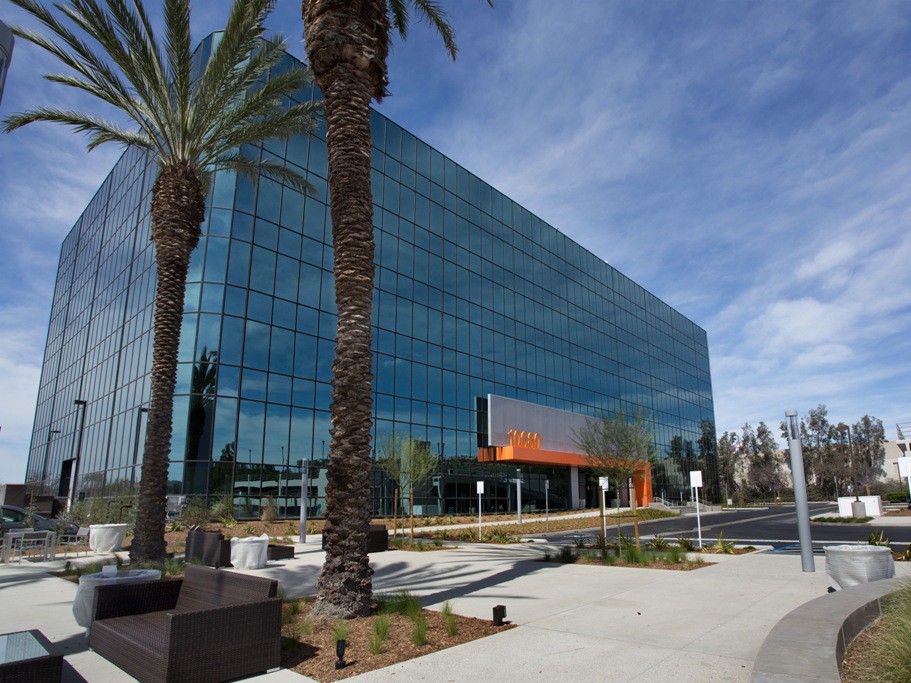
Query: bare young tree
x=409, y=463
x=618, y=447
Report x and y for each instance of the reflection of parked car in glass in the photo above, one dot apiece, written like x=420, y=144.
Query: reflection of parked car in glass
x=15, y=518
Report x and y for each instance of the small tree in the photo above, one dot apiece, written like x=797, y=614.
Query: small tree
x=408, y=463
x=618, y=447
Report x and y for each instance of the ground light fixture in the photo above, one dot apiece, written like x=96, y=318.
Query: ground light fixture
x=499, y=615
x=340, y=653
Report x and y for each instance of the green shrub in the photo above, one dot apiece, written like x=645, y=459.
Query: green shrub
x=403, y=603
x=452, y=622
x=222, y=508
x=339, y=631
x=674, y=555
x=897, y=496
x=686, y=544
x=306, y=628
x=881, y=539
x=380, y=633
x=195, y=513
x=634, y=555
x=567, y=555
x=726, y=547
x=419, y=631
x=658, y=543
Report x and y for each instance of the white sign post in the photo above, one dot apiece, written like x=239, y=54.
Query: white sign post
x=547, y=505
x=480, y=493
x=696, y=484
x=604, y=483
x=904, y=470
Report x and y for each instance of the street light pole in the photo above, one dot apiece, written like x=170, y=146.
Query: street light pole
x=800, y=492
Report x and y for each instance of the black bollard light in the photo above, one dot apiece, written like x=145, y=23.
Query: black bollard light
x=499, y=615
x=340, y=653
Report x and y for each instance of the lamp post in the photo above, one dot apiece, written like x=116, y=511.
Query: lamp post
x=858, y=509
x=75, y=473
x=305, y=499
x=800, y=492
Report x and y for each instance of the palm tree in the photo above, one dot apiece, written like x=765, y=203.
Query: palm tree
x=347, y=44
x=190, y=120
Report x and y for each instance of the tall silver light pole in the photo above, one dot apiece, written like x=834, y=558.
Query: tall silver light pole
x=800, y=493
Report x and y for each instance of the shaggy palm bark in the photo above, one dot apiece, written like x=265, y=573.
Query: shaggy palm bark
x=347, y=42
x=178, y=207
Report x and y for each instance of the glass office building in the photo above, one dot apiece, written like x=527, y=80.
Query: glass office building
x=474, y=295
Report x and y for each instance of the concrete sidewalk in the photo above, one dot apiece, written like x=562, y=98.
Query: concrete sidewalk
x=593, y=623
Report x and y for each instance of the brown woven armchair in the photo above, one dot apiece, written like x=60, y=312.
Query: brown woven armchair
x=210, y=626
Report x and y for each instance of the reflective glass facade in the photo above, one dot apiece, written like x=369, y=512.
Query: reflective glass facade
x=474, y=295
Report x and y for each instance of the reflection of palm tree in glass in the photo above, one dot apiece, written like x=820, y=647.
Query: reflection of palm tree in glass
x=202, y=399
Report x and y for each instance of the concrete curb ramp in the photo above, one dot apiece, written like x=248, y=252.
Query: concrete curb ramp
x=809, y=643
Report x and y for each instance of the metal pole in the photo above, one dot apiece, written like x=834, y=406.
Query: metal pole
x=519, y=495
x=800, y=493
x=547, y=505
x=698, y=520
x=305, y=499
x=75, y=472
x=480, y=535
x=604, y=516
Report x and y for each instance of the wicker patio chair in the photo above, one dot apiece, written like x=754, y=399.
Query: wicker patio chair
x=208, y=627
x=208, y=547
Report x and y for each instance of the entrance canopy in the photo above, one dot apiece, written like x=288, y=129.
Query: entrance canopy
x=529, y=434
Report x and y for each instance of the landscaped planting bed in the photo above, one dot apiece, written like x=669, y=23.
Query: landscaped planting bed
x=882, y=653
x=397, y=630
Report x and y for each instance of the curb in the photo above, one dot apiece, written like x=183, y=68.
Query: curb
x=809, y=643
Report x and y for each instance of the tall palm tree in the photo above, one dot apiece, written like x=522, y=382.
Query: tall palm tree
x=190, y=121
x=347, y=42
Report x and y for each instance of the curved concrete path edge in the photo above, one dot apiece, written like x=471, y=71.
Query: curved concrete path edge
x=809, y=643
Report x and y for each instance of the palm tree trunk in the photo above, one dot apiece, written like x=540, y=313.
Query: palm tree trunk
x=178, y=208
x=344, y=40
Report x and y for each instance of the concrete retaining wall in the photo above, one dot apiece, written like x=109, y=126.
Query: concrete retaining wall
x=809, y=643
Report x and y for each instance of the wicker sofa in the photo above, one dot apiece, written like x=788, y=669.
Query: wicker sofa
x=210, y=626
x=208, y=547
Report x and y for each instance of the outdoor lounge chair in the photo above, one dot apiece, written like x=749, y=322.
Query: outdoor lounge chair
x=210, y=626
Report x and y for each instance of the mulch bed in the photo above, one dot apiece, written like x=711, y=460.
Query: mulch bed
x=314, y=655
x=857, y=657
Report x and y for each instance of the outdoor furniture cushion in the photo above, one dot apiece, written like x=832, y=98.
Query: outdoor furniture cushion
x=250, y=553
x=211, y=626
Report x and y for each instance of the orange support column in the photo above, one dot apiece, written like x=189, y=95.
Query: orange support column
x=642, y=485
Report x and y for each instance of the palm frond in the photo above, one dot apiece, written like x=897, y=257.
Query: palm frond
x=99, y=130
x=282, y=123
x=251, y=170
x=401, y=16
x=180, y=58
x=433, y=13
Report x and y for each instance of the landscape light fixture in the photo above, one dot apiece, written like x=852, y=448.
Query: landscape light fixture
x=340, y=653
x=499, y=615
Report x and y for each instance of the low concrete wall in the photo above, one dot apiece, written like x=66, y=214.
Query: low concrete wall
x=809, y=643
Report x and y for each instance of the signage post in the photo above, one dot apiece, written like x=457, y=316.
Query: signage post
x=547, y=505
x=696, y=484
x=480, y=493
x=518, y=496
x=904, y=470
x=604, y=483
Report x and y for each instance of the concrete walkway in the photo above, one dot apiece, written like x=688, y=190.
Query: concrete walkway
x=597, y=623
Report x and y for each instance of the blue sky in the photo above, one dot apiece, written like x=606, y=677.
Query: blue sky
x=748, y=162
